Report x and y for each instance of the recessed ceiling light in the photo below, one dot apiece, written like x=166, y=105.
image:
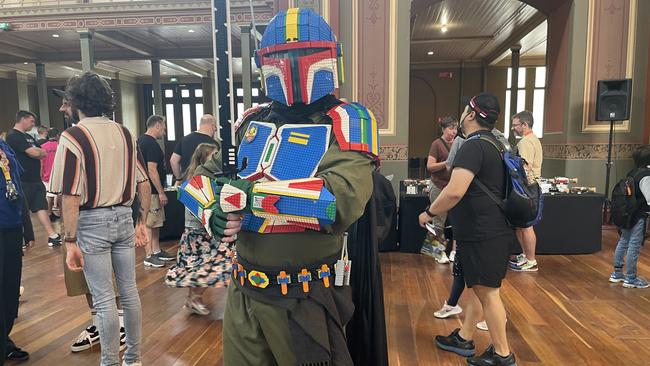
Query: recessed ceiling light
x=55, y=35
x=191, y=30
x=444, y=29
x=430, y=53
x=25, y=63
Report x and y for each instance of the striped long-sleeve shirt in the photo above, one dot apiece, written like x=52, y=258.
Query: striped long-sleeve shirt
x=97, y=160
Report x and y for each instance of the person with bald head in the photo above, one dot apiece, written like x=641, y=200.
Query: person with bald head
x=186, y=146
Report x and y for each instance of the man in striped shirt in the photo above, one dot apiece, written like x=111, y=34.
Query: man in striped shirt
x=97, y=170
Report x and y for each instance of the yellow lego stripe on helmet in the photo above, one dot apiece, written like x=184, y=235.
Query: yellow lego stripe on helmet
x=292, y=25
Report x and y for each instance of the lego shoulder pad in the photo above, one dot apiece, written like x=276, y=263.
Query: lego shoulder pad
x=355, y=128
x=248, y=113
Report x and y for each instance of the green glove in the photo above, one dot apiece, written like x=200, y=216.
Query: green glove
x=234, y=198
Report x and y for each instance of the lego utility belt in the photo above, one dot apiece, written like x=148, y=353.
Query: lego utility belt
x=272, y=278
x=283, y=205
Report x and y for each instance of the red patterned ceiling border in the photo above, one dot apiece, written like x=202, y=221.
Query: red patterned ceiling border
x=107, y=22
x=126, y=21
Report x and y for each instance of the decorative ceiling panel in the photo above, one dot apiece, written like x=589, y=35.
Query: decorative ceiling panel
x=464, y=30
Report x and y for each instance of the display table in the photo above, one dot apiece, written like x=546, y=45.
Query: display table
x=571, y=223
x=174, y=217
x=411, y=234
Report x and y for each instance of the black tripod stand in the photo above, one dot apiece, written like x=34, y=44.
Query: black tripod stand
x=609, y=168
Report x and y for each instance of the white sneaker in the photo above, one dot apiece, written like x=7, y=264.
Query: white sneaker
x=85, y=340
x=482, y=325
x=137, y=363
x=443, y=258
x=447, y=311
x=452, y=256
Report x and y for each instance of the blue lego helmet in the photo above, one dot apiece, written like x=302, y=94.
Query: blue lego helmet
x=299, y=58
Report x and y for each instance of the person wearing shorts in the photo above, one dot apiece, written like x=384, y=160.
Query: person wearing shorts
x=29, y=154
x=154, y=159
x=482, y=231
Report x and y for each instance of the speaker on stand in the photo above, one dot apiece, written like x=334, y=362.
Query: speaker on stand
x=612, y=104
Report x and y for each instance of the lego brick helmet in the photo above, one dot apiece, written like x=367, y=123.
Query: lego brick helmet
x=299, y=58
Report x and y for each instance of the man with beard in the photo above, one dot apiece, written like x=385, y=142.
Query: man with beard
x=482, y=230
x=75, y=281
x=530, y=149
x=97, y=170
x=308, y=177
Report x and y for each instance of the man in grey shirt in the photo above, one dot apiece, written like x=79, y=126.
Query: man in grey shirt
x=458, y=142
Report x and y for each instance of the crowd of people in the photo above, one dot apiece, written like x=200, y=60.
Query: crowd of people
x=288, y=302
x=484, y=243
x=108, y=190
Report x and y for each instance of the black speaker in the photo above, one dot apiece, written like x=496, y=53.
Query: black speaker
x=613, y=100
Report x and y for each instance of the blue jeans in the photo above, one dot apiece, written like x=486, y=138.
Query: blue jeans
x=629, y=245
x=106, y=239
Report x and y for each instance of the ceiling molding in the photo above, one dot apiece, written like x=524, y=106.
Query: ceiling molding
x=524, y=61
x=422, y=65
x=184, y=67
x=452, y=39
x=76, y=68
x=179, y=53
x=117, y=69
x=532, y=23
x=10, y=49
x=513, y=17
x=182, y=79
x=127, y=14
x=117, y=39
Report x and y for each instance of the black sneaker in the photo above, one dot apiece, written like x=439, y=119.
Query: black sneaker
x=54, y=242
x=17, y=354
x=491, y=358
x=454, y=343
x=122, y=339
x=153, y=261
x=87, y=338
x=164, y=256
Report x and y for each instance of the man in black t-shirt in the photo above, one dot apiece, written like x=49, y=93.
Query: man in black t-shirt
x=29, y=156
x=482, y=231
x=185, y=147
x=155, y=160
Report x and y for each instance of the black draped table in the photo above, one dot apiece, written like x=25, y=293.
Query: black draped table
x=571, y=223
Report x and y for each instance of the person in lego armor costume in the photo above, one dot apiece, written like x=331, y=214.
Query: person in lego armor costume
x=308, y=160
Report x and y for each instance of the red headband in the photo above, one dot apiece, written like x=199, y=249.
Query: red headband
x=480, y=111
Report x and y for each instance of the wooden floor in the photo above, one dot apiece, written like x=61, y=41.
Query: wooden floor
x=566, y=314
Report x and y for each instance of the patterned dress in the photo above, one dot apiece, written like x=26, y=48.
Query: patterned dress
x=201, y=260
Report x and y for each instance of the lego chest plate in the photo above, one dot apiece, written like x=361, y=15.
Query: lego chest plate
x=281, y=153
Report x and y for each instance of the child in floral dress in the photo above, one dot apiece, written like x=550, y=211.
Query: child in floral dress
x=202, y=261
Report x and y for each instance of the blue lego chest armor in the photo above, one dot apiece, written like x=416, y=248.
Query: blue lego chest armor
x=282, y=153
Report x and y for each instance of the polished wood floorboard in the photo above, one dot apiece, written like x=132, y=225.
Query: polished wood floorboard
x=566, y=314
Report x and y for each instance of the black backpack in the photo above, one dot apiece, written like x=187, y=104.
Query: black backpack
x=627, y=199
x=523, y=201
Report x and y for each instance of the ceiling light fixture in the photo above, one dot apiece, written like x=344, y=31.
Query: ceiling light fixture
x=444, y=28
x=25, y=63
x=55, y=35
x=191, y=30
x=430, y=53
